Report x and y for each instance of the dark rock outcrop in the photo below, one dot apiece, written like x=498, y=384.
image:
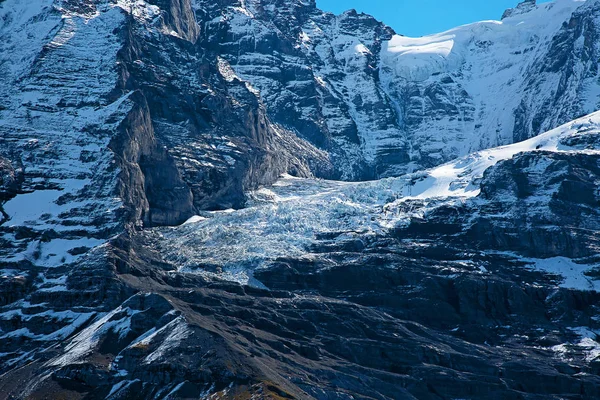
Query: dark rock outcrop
x=538, y=204
x=150, y=183
x=538, y=190
x=10, y=179
x=522, y=7
x=213, y=126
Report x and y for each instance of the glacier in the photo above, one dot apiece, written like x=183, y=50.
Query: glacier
x=287, y=218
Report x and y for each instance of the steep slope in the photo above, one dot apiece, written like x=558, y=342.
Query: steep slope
x=496, y=82
x=392, y=104
x=317, y=73
x=91, y=152
x=304, y=65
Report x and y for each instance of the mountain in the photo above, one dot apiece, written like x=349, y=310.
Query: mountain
x=258, y=199
x=392, y=104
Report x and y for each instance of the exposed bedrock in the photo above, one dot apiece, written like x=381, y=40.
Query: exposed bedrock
x=150, y=183
x=536, y=204
x=213, y=127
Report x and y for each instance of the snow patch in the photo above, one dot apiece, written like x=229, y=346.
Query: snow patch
x=572, y=274
x=87, y=340
x=587, y=345
x=194, y=219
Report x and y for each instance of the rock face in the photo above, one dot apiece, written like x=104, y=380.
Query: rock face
x=149, y=248
x=317, y=74
x=539, y=205
x=522, y=7
x=495, y=83
x=547, y=189
x=383, y=104
x=212, y=125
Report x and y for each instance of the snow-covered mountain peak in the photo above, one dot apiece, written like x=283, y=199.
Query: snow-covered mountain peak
x=494, y=83
x=383, y=104
x=416, y=59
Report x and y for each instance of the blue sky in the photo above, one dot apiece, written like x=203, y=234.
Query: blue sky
x=421, y=17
